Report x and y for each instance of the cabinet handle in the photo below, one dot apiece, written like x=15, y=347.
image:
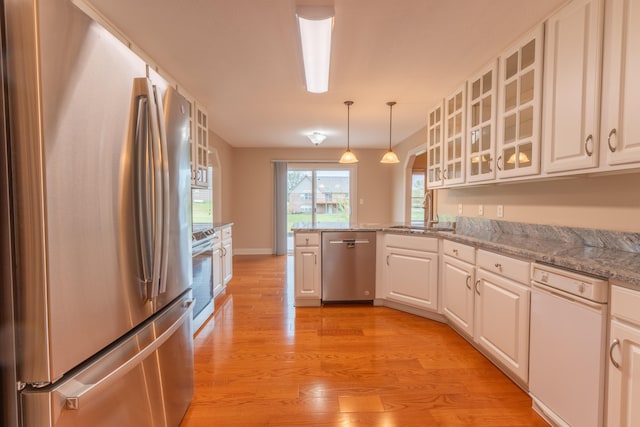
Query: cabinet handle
x=315, y=259
x=498, y=266
x=489, y=163
x=387, y=259
x=615, y=343
x=444, y=174
x=611, y=148
x=586, y=145
x=307, y=240
x=477, y=285
x=468, y=282
x=455, y=252
x=498, y=163
x=438, y=175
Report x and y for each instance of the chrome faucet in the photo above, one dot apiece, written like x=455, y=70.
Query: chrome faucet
x=427, y=203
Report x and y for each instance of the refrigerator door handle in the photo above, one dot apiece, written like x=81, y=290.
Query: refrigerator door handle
x=142, y=177
x=75, y=392
x=149, y=175
x=165, y=212
x=157, y=188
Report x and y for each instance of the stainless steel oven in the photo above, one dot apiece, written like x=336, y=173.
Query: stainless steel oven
x=202, y=284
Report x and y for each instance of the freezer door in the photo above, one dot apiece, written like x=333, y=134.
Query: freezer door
x=144, y=381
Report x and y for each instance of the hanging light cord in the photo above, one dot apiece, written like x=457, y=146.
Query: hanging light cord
x=390, y=104
x=348, y=104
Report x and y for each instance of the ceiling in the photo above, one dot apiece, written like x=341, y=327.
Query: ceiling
x=241, y=59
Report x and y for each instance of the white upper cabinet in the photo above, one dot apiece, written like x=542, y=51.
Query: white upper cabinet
x=481, y=120
x=519, y=107
x=620, y=130
x=454, y=137
x=200, y=148
x=435, y=136
x=571, y=110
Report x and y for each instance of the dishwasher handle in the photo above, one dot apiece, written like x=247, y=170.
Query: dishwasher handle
x=351, y=243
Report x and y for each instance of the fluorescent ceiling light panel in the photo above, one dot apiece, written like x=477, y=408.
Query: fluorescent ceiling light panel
x=316, y=25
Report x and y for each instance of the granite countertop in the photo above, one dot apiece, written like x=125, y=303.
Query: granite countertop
x=609, y=254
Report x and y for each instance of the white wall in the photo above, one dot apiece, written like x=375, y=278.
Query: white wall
x=606, y=202
x=252, y=191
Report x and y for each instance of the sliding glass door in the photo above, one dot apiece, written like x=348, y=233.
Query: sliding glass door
x=319, y=196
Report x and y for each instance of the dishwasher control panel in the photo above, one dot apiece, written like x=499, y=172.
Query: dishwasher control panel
x=591, y=288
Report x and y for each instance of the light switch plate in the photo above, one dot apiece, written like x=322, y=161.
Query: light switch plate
x=500, y=211
x=459, y=208
x=480, y=210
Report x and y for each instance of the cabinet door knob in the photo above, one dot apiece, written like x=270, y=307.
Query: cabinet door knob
x=455, y=252
x=611, y=147
x=613, y=345
x=586, y=146
x=498, y=266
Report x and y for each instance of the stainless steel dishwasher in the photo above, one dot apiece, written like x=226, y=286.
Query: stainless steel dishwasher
x=348, y=266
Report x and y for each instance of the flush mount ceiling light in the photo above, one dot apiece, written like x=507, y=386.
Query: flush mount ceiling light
x=316, y=138
x=316, y=24
x=348, y=156
x=390, y=156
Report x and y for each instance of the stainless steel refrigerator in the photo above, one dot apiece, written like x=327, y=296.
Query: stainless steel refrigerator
x=100, y=223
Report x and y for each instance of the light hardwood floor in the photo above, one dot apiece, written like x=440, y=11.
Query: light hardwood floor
x=262, y=362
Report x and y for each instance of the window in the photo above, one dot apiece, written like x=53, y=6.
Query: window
x=320, y=196
x=418, y=182
x=417, y=195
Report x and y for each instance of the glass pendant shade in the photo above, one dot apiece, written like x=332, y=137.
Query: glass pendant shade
x=390, y=156
x=522, y=158
x=348, y=156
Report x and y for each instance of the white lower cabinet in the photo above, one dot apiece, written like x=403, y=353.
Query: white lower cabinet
x=410, y=271
x=623, y=398
x=458, y=279
x=217, y=267
x=307, y=269
x=227, y=256
x=502, y=308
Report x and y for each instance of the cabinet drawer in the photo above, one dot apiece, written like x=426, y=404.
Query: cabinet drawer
x=418, y=243
x=512, y=268
x=459, y=251
x=625, y=304
x=307, y=239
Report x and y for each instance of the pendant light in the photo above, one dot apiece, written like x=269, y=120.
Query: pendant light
x=390, y=156
x=348, y=156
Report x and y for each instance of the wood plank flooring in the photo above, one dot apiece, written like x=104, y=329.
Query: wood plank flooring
x=263, y=362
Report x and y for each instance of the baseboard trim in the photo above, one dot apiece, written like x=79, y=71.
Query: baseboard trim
x=253, y=251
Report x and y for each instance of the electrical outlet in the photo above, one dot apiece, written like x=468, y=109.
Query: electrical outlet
x=500, y=211
x=459, y=208
x=480, y=210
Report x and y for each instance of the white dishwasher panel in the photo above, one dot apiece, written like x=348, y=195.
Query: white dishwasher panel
x=567, y=355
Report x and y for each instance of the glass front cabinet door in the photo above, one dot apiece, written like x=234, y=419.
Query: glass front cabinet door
x=435, y=136
x=454, y=137
x=481, y=119
x=519, y=107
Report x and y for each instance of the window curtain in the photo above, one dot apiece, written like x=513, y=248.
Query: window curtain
x=280, y=206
